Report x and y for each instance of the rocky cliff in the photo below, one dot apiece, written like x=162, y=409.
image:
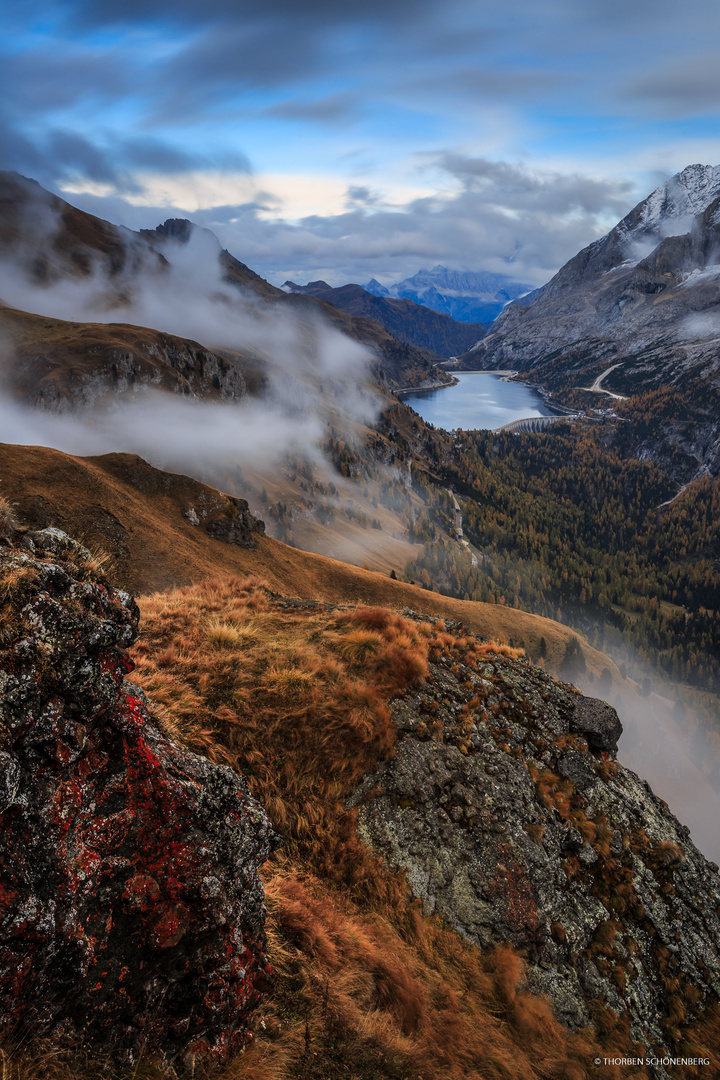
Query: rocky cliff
x=513, y=821
x=131, y=911
x=68, y=366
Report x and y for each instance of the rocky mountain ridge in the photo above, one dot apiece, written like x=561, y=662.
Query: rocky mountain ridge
x=46, y=241
x=547, y=842
x=63, y=366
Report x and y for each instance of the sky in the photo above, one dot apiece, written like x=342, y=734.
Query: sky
x=353, y=140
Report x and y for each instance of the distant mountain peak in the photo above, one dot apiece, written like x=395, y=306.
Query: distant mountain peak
x=688, y=192
x=467, y=296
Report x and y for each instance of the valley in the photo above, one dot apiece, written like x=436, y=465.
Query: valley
x=388, y=628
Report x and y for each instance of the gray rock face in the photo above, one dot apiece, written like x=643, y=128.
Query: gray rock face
x=167, y=363
x=511, y=828
x=238, y=527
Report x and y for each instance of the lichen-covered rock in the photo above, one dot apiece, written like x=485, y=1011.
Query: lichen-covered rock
x=131, y=910
x=511, y=828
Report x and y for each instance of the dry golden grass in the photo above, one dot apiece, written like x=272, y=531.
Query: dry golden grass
x=297, y=698
x=359, y=995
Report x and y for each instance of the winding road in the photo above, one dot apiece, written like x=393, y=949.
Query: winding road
x=597, y=385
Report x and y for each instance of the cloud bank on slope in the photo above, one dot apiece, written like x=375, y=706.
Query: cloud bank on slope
x=312, y=371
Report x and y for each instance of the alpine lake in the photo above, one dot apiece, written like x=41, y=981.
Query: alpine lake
x=479, y=399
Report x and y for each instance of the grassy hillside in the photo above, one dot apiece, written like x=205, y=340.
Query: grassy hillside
x=136, y=513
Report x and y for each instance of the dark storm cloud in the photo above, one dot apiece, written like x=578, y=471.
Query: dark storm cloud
x=155, y=154
x=243, y=54
x=59, y=154
x=93, y=12
x=17, y=152
x=41, y=78
x=489, y=81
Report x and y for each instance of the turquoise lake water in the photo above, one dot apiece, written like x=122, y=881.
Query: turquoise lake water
x=480, y=399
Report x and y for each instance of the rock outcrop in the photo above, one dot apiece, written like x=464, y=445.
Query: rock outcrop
x=238, y=526
x=513, y=822
x=131, y=910
x=69, y=366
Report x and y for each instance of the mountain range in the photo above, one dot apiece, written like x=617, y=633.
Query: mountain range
x=416, y=323
x=465, y=295
x=46, y=243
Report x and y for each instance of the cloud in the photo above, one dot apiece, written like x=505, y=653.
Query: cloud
x=359, y=195
x=527, y=238
x=690, y=86
x=337, y=108
x=74, y=153
x=344, y=101
x=495, y=216
x=518, y=187
x=100, y=12
x=489, y=81
x=296, y=351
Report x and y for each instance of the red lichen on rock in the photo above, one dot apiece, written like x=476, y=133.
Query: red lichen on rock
x=131, y=911
x=514, y=888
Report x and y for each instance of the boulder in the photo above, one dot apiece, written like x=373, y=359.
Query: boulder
x=598, y=722
x=131, y=909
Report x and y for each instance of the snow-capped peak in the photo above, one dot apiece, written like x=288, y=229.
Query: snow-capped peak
x=684, y=195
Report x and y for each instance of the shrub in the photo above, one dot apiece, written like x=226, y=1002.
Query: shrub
x=9, y=522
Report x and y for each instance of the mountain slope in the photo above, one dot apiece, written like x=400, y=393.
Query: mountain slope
x=645, y=297
x=62, y=366
x=138, y=515
x=49, y=242
x=119, y=503
x=414, y=323
x=466, y=296
x=295, y=698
